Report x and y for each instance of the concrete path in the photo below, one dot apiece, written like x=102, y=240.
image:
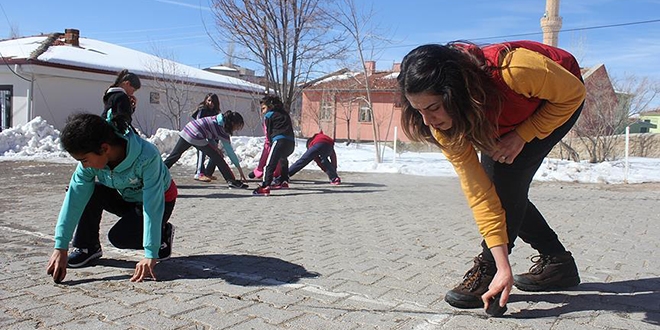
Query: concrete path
x=377, y=252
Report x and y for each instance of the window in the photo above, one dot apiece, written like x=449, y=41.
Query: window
x=364, y=115
x=5, y=106
x=154, y=98
x=327, y=109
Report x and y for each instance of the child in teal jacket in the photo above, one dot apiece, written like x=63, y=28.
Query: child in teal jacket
x=122, y=174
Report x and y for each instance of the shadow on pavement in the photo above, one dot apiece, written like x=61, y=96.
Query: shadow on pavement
x=642, y=296
x=237, y=269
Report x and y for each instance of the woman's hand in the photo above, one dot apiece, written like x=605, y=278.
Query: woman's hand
x=503, y=280
x=144, y=270
x=57, y=265
x=508, y=148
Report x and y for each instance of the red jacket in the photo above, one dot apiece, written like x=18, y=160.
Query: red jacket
x=322, y=138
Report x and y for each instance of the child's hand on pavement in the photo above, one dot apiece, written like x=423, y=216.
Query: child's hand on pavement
x=144, y=270
x=57, y=265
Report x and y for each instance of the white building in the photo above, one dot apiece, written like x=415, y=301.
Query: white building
x=55, y=75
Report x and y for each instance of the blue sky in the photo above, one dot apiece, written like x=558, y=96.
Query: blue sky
x=176, y=28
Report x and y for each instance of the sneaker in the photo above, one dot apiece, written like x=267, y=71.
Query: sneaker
x=335, y=181
x=80, y=257
x=549, y=273
x=213, y=177
x=251, y=175
x=202, y=177
x=237, y=184
x=261, y=191
x=280, y=185
x=475, y=283
x=165, y=250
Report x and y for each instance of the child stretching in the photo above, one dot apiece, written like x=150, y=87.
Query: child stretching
x=198, y=132
x=259, y=171
x=279, y=132
x=122, y=174
x=320, y=149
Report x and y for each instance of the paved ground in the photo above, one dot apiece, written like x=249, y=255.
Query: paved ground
x=377, y=252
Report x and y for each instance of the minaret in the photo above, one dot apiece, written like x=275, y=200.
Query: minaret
x=551, y=23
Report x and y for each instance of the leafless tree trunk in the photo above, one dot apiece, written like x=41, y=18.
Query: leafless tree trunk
x=639, y=93
x=364, y=34
x=289, y=38
x=601, y=119
x=176, y=100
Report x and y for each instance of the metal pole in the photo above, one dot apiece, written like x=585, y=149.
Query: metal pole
x=395, y=139
x=625, y=173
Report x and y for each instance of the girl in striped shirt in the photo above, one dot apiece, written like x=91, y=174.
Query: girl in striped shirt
x=198, y=132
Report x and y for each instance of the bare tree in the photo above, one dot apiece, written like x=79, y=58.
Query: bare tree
x=172, y=82
x=289, y=38
x=601, y=118
x=639, y=93
x=364, y=33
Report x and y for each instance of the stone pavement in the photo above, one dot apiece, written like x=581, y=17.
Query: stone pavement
x=377, y=252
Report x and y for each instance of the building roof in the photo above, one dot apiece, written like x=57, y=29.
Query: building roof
x=102, y=57
x=650, y=113
x=351, y=81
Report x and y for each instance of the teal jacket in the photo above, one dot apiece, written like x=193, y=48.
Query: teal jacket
x=141, y=177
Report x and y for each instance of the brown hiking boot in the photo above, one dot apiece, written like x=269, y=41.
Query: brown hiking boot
x=475, y=283
x=549, y=273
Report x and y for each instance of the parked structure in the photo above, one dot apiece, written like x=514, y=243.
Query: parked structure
x=651, y=120
x=54, y=75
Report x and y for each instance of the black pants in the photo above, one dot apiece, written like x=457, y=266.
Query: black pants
x=512, y=183
x=279, y=151
x=210, y=150
x=201, y=157
x=127, y=233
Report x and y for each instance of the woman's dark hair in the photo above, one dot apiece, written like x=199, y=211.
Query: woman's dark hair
x=233, y=121
x=272, y=102
x=85, y=132
x=214, y=100
x=459, y=73
x=125, y=75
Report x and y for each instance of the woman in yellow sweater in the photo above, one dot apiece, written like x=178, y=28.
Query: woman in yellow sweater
x=512, y=102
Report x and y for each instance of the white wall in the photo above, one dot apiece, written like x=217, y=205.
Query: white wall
x=56, y=93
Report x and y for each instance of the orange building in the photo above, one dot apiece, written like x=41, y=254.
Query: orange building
x=338, y=105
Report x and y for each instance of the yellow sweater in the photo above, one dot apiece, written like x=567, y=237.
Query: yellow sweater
x=531, y=75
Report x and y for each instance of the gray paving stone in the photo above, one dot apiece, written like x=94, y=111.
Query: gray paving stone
x=378, y=252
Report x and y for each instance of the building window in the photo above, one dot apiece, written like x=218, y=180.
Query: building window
x=364, y=115
x=154, y=98
x=327, y=109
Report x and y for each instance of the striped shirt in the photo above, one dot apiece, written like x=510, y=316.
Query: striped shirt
x=198, y=131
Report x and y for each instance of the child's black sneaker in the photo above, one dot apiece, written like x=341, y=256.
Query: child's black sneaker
x=251, y=175
x=165, y=250
x=80, y=257
x=237, y=184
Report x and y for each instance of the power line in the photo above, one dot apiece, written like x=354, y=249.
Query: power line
x=506, y=36
x=574, y=29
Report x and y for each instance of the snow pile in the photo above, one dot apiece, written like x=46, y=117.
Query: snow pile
x=35, y=139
